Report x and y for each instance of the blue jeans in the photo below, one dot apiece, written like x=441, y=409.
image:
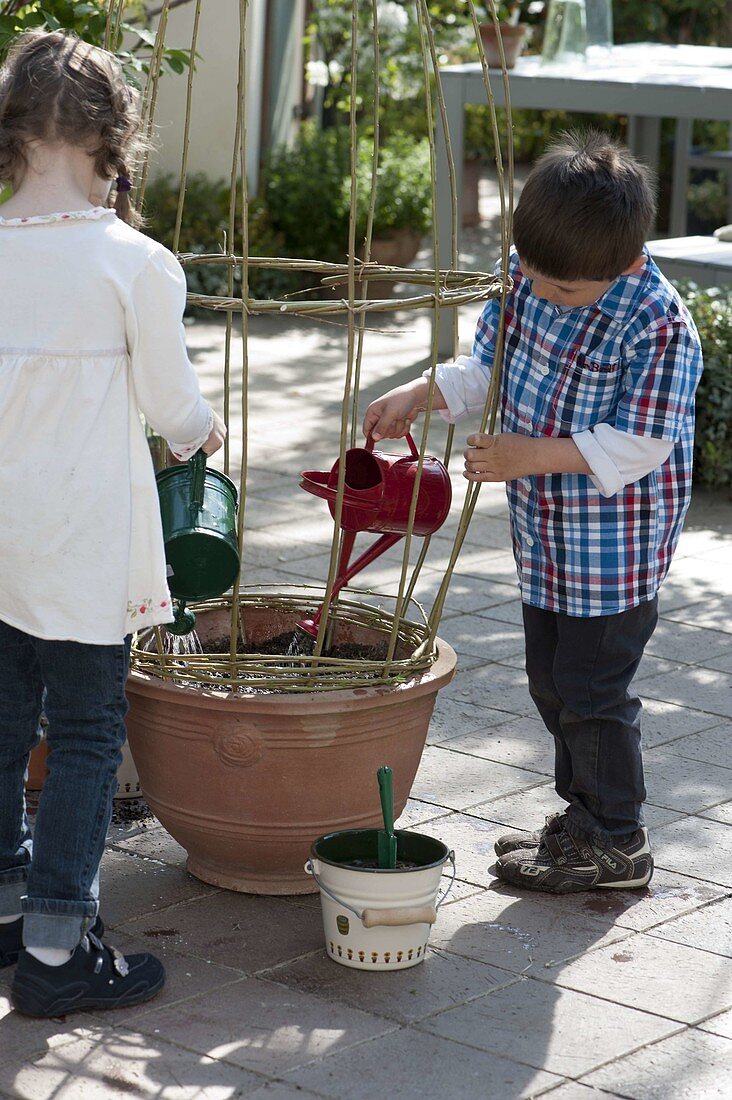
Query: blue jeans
x=53, y=878
x=580, y=672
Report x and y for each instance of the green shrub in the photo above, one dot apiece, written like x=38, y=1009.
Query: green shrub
x=712, y=313
x=205, y=223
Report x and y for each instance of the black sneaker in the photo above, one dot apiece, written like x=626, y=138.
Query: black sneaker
x=11, y=940
x=566, y=864
x=96, y=976
x=515, y=842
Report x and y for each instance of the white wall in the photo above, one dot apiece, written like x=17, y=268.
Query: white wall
x=213, y=113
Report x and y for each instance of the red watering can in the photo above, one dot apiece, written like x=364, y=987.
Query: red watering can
x=377, y=496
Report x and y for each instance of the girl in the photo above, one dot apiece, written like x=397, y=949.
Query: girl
x=90, y=335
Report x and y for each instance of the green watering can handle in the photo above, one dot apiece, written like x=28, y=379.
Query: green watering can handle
x=198, y=480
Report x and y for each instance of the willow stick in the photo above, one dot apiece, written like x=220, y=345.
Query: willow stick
x=152, y=96
x=186, y=129
x=230, y=240
x=242, y=93
x=345, y=406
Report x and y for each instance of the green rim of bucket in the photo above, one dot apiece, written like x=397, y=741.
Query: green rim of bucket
x=338, y=849
x=175, y=472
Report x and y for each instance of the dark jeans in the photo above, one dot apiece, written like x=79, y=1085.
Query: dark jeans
x=580, y=671
x=53, y=878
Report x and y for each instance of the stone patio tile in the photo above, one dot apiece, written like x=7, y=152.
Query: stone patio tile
x=157, y=844
x=506, y=613
x=700, y=577
x=485, y=532
x=241, y=931
x=262, y=1026
x=408, y=1064
x=722, y=663
x=704, y=688
x=573, y=1090
x=681, y=784
x=24, y=1038
x=696, y=846
x=713, y=746
x=472, y=840
x=440, y=982
x=714, y=613
x=520, y=932
x=690, y=645
x=455, y=714
x=667, y=896
x=418, y=813
x=538, y=1024
x=132, y=886
x=690, y=1066
x=480, y=637
x=527, y=809
x=720, y=1024
x=654, y=666
x=465, y=593
x=523, y=743
x=119, y=1063
x=282, y=1090
x=663, y=721
x=722, y=812
x=456, y=780
x=709, y=929
x=495, y=685
x=670, y=979
x=490, y=563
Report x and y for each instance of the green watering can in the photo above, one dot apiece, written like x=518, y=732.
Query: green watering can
x=198, y=509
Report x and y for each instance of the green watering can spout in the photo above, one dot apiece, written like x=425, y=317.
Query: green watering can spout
x=184, y=620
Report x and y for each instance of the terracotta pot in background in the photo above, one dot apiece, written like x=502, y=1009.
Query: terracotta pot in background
x=513, y=38
x=246, y=782
x=129, y=784
x=396, y=250
x=472, y=169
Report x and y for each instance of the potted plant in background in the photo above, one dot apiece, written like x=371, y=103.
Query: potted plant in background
x=513, y=32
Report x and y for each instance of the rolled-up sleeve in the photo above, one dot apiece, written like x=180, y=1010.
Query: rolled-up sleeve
x=464, y=383
x=165, y=383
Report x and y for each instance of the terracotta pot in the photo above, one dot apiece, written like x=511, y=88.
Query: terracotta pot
x=513, y=38
x=129, y=784
x=472, y=168
x=246, y=782
x=396, y=250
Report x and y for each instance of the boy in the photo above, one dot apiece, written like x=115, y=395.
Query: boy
x=601, y=364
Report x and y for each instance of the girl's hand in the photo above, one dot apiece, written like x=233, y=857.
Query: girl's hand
x=391, y=416
x=216, y=439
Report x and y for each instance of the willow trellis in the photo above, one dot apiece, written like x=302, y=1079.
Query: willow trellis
x=409, y=631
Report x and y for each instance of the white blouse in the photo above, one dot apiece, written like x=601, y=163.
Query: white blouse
x=90, y=336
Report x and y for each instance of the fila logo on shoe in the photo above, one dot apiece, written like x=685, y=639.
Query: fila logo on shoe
x=530, y=869
x=606, y=859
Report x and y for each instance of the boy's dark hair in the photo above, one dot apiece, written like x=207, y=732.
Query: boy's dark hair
x=585, y=210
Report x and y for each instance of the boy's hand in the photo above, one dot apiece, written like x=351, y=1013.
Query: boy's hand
x=217, y=436
x=511, y=455
x=391, y=416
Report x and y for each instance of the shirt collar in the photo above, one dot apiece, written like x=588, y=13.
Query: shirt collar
x=620, y=301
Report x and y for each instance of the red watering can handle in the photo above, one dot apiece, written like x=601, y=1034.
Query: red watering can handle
x=412, y=445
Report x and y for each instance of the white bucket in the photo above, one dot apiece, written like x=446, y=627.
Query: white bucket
x=377, y=919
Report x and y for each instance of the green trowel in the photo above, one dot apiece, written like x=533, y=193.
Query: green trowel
x=387, y=841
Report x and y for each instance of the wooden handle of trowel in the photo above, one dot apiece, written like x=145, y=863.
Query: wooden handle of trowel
x=415, y=914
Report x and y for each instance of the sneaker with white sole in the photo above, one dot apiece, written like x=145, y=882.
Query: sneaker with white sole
x=516, y=841
x=565, y=864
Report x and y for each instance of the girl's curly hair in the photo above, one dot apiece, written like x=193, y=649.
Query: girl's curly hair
x=56, y=88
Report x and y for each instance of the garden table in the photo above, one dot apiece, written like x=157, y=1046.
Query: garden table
x=647, y=81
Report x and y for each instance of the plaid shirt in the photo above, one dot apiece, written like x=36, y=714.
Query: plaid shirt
x=631, y=360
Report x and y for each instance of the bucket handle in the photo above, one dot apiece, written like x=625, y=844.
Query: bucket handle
x=415, y=914
x=198, y=481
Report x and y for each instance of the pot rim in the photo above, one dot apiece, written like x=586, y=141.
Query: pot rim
x=431, y=680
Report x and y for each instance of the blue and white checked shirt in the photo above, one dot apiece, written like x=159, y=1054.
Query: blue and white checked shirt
x=632, y=360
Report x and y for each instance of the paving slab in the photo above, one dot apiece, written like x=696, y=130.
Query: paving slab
x=704, y=688
x=662, y=721
x=520, y=933
x=157, y=844
x=410, y=1064
x=723, y=813
x=692, y=1065
x=243, y=932
x=684, y=784
x=24, y=1038
x=667, y=896
x=133, y=887
x=720, y=1024
x=713, y=746
x=538, y=1024
x=644, y=972
x=260, y=1025
x=714, y=613
x=454, y=713
x=523, y=743
x=573, y=1090
x=488, y=639
x=456, y=780
x=495, y=685
x=696, y=846
x=121, y=1063
x=440, y=982
x=691, y=645
x=709, y=929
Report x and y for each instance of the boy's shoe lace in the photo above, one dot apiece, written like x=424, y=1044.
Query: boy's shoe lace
x=96, y=976
x=516, y=841
x=11, y=940
x=565, y=864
